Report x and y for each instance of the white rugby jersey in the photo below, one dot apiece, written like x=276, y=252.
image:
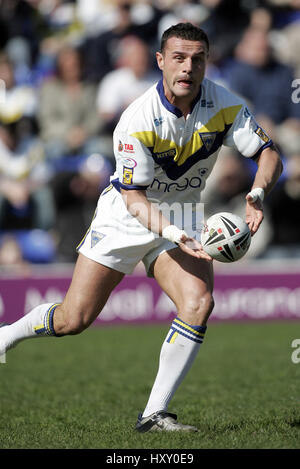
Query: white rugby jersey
x=158, y=150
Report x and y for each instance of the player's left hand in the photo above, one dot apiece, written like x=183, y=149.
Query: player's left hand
x=254, y=214
x=192, y=247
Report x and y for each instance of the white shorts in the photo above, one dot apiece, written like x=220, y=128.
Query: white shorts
x=116, y=239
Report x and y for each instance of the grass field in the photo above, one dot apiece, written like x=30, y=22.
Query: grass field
x=86, y=391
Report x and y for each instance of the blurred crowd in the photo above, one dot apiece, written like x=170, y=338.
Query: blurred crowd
x=69, y=68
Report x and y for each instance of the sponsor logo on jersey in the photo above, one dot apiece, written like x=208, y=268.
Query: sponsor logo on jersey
x=202, y=171
x=205, y=103
x=259, y=131
x=193, y=183
x=126, y=147
x=247, y=113
x=158, y=121
x=166, y=154
x=129, y=162
x=127, y=175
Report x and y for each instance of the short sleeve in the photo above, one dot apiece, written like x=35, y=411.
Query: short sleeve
x=134, y=162
x=246, y=136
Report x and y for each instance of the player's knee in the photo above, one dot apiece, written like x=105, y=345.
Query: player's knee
x=71, y=322
x=198, y=307
x=209, y=305
x=75, y=325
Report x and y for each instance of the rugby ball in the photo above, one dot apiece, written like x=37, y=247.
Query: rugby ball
x=225, y=237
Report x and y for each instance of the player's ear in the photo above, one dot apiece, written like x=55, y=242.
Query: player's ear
x=160, y=60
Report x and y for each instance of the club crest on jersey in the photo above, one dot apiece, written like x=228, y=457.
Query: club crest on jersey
x=127, y=175
x=208, y=139
x=96, y=237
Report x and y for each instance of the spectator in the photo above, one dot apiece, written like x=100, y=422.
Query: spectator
x=22, y=19
x=287, y=44
x=67, y=115
x=132, y=77
x=95, y=15
x=23, y=187
x=261, y=19
x=19, y=101
x=99, y=51
x=266, y=84
x=24, y=192
x=76, y=193
x=223, y=14
x=20, y=190
x=26, y=204
x=76, y=117
x=11, y=256
x=284, y=207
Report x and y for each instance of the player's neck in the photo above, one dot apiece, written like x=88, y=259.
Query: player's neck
x=183, y=103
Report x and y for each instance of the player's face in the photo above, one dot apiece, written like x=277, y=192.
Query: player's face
x=183, y=65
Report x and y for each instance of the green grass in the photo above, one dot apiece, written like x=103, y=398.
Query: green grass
x=86, y=391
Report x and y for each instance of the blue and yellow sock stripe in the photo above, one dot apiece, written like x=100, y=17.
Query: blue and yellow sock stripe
x=47, y=328
x=194, y=333
x=49, y=319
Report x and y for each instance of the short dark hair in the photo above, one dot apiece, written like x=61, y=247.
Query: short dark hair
x=186, y=31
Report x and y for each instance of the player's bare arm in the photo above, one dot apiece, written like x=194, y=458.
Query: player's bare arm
x=268, y=172
x=151, y=217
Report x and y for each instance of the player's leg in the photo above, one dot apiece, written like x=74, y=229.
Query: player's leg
x=90, y=288
x=188, y=281
x=91, y=285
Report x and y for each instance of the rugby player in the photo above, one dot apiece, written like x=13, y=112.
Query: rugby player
x=166, y=144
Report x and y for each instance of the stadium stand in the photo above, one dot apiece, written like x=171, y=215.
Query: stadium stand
x=55, y=146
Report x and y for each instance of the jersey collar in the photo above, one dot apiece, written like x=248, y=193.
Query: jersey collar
x=170, y=107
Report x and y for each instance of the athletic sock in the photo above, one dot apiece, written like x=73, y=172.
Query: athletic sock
x=37, y=323
x=176, y=358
